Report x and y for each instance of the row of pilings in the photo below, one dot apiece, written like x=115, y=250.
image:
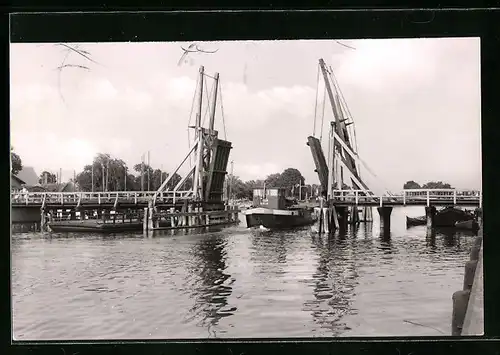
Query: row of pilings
x=151, y=217
x=194, y=216
x=339, y=217
x=462, y=309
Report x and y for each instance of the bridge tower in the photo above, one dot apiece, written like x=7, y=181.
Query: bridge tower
x=202, y=186
x=340, y=169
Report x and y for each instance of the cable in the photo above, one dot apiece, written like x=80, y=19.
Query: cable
x=191, y=116
x=316, y=101
x=222, y=111
x=323, y=114
x=208, y=100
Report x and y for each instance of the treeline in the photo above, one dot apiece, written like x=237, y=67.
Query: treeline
x=291, y=179
x=430, y=185
x=112, y=174
x=106, y=173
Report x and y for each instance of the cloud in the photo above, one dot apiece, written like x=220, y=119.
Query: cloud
x=415, y=104
x=256, y=171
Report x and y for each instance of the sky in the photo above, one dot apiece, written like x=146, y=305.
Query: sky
x=415, y=104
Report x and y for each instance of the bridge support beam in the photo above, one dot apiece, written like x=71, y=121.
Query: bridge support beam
x=430, y=213
x=385, y=218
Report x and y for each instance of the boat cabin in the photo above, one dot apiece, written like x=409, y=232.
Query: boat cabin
x=273, y=198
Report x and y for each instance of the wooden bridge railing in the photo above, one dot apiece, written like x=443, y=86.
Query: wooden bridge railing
x=413, y=196
x=62, y=198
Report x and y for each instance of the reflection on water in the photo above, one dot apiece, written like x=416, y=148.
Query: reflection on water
x=237, y=282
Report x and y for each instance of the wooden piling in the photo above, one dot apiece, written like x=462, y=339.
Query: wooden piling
x=150, y=218
x=354, y=215
x=43, y=221
x=172, y=218
x=190, y=218
x=145, y=219
x=326, y=223
x=335, y=218
x=430, y=213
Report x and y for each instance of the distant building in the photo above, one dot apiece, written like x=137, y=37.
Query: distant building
x=16, y=183
x=28, y=175
x=35, y=188
x=63, y=187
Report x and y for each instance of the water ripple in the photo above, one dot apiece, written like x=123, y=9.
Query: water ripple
x=236, y=282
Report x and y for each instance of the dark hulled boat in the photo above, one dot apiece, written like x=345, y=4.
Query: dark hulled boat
x=271, y=209
x=447, y=217
x=94, y=225
x=471, y=225
x=450, y=216
x=415, y=221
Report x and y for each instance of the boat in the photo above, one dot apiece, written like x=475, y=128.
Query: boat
x=94, y=225
x=272, y=210
x=416, y=221
x=468, y=225
x=447, y=217
x=450, y=216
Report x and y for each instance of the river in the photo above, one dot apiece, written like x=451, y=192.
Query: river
x=237, y=282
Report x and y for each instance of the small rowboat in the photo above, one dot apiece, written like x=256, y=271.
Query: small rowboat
x=469, y=225
x=415, y=221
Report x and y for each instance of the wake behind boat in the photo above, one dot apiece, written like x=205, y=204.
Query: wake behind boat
x=272, y=210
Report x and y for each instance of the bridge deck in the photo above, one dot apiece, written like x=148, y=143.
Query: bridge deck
x=443, y=197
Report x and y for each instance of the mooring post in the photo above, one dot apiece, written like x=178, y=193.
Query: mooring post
x=43, y=220
x=460, y=302
x=385, y=218
x=172, y=219
x=145, y=219
x=150, y=216
x=335, y=218
x=190, y=218
x=479, y=215
x=326, y=220
x=430, y=213
x=320, y=227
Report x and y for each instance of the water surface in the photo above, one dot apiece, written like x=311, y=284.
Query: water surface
x=237, y=282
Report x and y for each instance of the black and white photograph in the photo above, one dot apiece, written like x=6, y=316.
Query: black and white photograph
x=246, y=189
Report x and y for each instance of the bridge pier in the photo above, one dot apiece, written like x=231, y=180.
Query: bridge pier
x=430, y=213
x=385, y=218
x=342, y=217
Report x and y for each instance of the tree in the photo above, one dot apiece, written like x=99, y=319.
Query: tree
x=158, y=178
x=142, y=179
x=436, y=185
x=47, y=178
x=273, y=180
x=251, y=185
x=238, y=188
x=291, y=177
x=411, y=185
x=108, y=174
x=16, y=162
